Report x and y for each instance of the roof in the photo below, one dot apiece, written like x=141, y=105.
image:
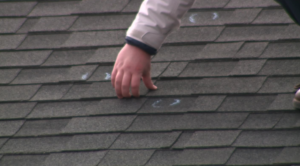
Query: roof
x=225, y=86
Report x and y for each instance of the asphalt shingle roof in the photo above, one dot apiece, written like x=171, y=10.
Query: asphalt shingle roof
x=225, y=86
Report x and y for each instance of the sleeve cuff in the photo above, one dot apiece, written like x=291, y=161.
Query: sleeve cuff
x=146, y=48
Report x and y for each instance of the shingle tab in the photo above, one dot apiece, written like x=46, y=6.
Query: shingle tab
x=208, y=139
x=278, y=50
x=261, y=121
x=252, y=33
x=174, y=69
x=16, y=8
x=279, y=85
x=178, y=53
x=23, y=160
x=53, y=23
x=9, y=128
x=2, y=141
x=15, y=110
x=281, y=67
x=96, y=38
x=54, y=8
x=51, y=92
x=282, y=102
x=288, y=155
x=23, y=58
x=95, y=6
x=254, y=156
x=39, y=41
x=207, y=103
x=217, y=156
x=11, y=41
x=76, y=91
x=42, y=127
x=158, y=68
x=247, y=103
x=75, y=158
x=102, y=73
x=198, y=34
x=250, y=3
x=105, y=55
x=10, y=25
x=72, y=57
x=289, y=120
x=7, y=75
x=248, y=67
x=243, y=16
x=145, y=140
x=251, y=50
x=229, y=85
x=132, y=6
x=35, y=145
x=27, y=25
x=273, y=16
x=199, y=4
x=98, y=124
x=126, y=157
x=13, y=93
x=91, y=141
x=219, y=50
x=85, y=23
x=99, y=89
x=268, y=138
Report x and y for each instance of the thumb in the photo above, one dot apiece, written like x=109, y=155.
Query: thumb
x=148, y=82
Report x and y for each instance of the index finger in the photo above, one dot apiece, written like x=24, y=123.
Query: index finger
x=135, y=85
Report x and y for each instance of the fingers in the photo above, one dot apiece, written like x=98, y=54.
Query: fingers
x=113, y=77
x=126, y=84
x=135, y=85
x=148, y=82
x=118, y=84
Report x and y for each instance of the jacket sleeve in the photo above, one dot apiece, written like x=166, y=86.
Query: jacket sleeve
x=155, y=20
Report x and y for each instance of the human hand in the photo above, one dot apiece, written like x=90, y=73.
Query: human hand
x=131, y=65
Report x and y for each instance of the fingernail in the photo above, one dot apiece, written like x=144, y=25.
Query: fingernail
x=155, y=87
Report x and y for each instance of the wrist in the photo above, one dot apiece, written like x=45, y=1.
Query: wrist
x=149, y=50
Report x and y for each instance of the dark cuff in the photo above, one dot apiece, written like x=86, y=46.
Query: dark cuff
x=146, y=48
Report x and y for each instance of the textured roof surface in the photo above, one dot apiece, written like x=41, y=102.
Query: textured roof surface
x=225, y=87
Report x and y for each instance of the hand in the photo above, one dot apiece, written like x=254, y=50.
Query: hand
x=131, y=65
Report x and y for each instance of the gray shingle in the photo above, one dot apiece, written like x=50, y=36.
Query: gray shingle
x=35, y=145
x=208, y=139
x=243, y=16
x=278, y=50
x=72, y=57
x=98, y=124
x=99, y=89
x=7, y=75
x=132, y=6
x=42, y=127
x=174, y=69
x=219, y=50
x=54, y=8
x=23, y=58
x=80, y=73
x=158, y=68
x=16, y=8
x=76, y=91
x=2, y=141
x=229, y=85
x=27, y=25
x=273, y=16
x=252, y=33
x=178, y=53
x=11, y=41
x=9, y=128
x=54, y=23
x=126, y=157
x=247, y=103
x=217, y=156
x=248, y=67
x=85, y=23
x=254, y=156
x=204, y=69
x=261, y=121
x=199, y=4
x=105, y=55
x=251, y=50
x=39, y=41
x=281, y=67
x=95, y=6
x=14, y=93
x=102, y=73
x=205, y=18
x=51, y=92
x=198, y=34
x=288, y=155
x=164, y=105
x=268, y=138
x=75, y=158
x=282, y=102
x=250, y=3
x=289, y=120
x=91, y=141
x=207, y=103
x=23, y=160
x=279, y=85
x=15, y=110
x=96, y=38
x=145, y=140
x=291, y=32
x=10, y=25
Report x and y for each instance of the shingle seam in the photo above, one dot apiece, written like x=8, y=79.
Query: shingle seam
x=150, y=157
x=159, y=76
x=257, y=16
x=125, y=6
x=282, y=115
x=264, y=51
x=45, y=60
